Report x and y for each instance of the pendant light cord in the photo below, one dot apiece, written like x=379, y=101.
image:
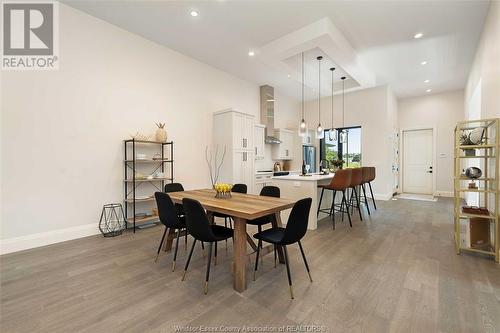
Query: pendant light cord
x=343, y=101
x=302, y=85
x=332, y=69
x=319, y=90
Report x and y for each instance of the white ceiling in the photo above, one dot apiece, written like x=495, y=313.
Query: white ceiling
x=369, y=41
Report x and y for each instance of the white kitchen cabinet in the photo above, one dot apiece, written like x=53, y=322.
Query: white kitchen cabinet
x=259, y=141
x=262, y=179
x=284, y=150
x=234, y=130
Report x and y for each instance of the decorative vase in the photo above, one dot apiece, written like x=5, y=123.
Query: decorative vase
x=161, y=135
x=470, y=152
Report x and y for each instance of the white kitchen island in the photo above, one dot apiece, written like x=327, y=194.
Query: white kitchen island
x=297, y=187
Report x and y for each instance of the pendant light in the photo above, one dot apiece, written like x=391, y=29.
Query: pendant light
x=319, y=131
x=343, y=133
x=303, y=125
x=332, y=135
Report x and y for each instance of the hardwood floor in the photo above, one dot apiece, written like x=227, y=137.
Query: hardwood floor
x=396, y=271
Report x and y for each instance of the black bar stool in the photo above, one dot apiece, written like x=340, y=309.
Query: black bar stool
x=356, y=180
x=295, y=229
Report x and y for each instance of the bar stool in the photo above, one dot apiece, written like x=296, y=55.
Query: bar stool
x=370, y=178
x=356, y=180
x=365, y=171
x=340, y=182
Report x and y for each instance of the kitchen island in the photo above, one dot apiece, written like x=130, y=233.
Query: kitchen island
x=297, y=187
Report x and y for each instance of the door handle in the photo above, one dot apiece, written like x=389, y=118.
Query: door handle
x=430, y=171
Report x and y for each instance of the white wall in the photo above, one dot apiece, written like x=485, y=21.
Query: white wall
x=485, y=71
x=62, y=131
x=374, y=110
x=441, y=112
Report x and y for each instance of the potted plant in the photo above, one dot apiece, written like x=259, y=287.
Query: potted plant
x=337, y=164
x=466, y=141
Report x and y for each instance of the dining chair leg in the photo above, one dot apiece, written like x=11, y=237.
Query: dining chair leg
x=257, y=258
x=357, y=202
x=320, y=198
x=366, y=200
x=185, y=239
x=176, y=248
x=347, y=210
x=373, y=198
x=288, y=270
x=161, y=243
x=202, y=249
x=275, y=255
x=188, y=260
x=305, y=261
x=215, y=257
x=225, y=225
x=208, y=264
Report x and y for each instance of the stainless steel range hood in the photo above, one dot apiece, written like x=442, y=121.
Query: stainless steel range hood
x=267, y=113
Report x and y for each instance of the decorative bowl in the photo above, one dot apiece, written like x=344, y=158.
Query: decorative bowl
x=222, y=190
x=473, y=173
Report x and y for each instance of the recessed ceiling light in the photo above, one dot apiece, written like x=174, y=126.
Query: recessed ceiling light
x=426, y=81
x=289, y=76
x=251, y=53
x=418, y=35
x=194, y=13
x=428, y=90
x=423, y=63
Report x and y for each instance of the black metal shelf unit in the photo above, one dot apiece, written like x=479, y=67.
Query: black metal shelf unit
x=131, y=182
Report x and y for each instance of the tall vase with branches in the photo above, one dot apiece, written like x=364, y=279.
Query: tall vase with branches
x=215, y=159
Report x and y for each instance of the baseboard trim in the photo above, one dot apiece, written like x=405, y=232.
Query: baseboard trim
x=16, y=244
x=383, y=197
x=449, y=194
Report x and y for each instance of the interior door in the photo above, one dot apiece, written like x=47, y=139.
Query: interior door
x=417, y=161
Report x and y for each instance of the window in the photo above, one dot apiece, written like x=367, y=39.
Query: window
x=349, y=152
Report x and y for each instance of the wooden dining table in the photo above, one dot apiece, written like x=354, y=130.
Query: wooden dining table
x=242, y=207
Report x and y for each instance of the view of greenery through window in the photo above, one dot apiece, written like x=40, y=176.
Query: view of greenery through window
x=349, y=152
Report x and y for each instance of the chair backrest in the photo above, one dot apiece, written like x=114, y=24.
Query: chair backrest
x=341, y=180
x=166, y=209
x=356, y=176
x=197, y=222
x=365, y=171
x=297, y=221
x=239, y=188
x=371, y=173
x=270, y=191
x=173, y=187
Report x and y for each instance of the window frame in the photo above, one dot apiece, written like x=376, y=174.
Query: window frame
x=340, y=146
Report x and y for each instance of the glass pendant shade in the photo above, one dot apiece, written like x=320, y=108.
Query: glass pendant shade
x=320, y=134
x=343, y=136
x=331, y=135
x=303, y=128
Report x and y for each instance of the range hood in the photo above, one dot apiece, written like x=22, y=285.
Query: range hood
x=267, y=113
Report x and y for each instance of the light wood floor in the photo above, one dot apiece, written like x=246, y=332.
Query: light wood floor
x=394, y=272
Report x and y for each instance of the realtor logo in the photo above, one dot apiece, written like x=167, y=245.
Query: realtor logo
x=29, y=36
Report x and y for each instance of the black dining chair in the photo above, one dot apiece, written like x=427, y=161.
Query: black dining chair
x=237, y=188
x=267, y=191
x=199, y=227
x=170, y=219
x=177, y=187
x=295, y=229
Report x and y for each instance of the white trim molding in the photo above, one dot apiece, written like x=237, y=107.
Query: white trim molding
x=46, y=238
x=444, y=194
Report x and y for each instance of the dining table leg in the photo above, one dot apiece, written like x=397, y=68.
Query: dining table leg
x=240, y=254
x=276, y=222
x=167, y=245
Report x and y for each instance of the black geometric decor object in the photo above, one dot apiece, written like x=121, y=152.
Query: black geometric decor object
x=112, y=222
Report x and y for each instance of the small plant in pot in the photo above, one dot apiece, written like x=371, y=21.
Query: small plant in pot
x=337, y=164
x=466, y=141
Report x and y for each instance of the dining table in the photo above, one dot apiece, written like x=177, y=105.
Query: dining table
x=241, y=207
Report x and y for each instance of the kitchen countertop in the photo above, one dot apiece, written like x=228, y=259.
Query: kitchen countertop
x=312, y=178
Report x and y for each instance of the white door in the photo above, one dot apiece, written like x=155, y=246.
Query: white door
x=417, y=161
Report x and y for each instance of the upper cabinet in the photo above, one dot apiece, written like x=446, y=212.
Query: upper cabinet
x=234, y=130
x=284, y=150
x=259, y=141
